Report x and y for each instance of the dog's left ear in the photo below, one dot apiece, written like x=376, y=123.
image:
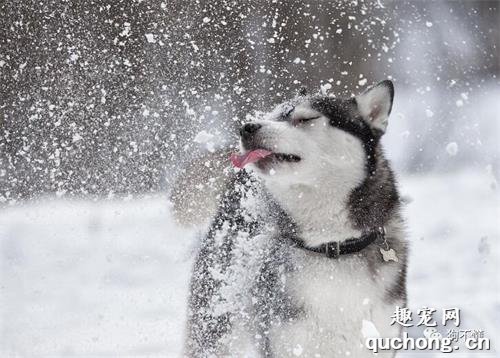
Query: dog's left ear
x=375, y=104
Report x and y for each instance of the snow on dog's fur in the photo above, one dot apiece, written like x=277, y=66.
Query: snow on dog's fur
x=317, y=175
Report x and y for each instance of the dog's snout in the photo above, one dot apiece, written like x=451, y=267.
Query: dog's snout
x=249, y=129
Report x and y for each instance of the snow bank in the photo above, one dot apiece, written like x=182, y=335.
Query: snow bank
x=92, y=278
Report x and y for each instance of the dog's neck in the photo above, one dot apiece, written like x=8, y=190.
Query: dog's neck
x=320, y=212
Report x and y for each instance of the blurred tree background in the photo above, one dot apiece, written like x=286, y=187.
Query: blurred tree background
x=103, y=98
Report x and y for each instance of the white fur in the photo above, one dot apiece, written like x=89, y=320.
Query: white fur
x=337, y=297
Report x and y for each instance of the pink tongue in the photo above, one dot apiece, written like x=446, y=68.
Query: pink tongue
x=240, y=160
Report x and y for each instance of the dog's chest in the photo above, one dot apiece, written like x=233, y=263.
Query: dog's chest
x=331, y=290
x=335, y=299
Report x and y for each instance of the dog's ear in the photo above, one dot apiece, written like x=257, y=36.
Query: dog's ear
x=302, y=92
x=375, y=104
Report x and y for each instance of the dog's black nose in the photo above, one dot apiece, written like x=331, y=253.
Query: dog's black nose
x=249, y=129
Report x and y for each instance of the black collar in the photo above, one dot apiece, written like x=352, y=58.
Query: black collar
x=334, y=249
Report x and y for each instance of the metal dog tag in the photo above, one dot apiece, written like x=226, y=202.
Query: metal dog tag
x=389, y=255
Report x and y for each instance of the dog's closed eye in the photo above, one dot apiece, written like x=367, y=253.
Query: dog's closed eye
x=301, y=120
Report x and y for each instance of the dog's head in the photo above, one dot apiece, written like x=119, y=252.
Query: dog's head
x=313, y=139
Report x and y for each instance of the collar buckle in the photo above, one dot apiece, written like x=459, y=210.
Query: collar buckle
x=332, y=250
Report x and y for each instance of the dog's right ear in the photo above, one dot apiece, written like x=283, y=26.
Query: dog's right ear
x=375, y=104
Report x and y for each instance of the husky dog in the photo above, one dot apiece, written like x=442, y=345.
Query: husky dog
x=306, y=255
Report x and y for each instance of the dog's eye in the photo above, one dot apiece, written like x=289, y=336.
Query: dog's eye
x=301, y=120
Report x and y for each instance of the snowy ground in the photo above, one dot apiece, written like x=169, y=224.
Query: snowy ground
x=110, y=278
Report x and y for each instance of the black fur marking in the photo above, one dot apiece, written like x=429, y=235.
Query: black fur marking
x=398, y=290
x=374, y=201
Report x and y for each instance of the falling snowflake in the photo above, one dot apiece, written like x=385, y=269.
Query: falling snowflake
x=452, y=148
